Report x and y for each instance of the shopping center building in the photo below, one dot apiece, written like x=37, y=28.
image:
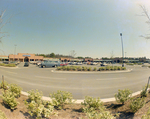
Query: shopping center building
x=25, y=57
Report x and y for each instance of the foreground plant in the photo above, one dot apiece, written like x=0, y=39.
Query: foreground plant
x=2, y=115
x=9, y=99
x=15, y=89
x=37, y=107
x=123, y=95
x=95, y=109
x=61, y=98
x=136, y=104
x=4, y=85
x=147, y=115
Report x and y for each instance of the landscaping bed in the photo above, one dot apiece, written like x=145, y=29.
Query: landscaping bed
x=74, y=111
x=84, y=68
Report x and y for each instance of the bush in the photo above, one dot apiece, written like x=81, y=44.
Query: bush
x=9, y=99
x=79, y=69
x=89, y=68
x=95, y=69
x=10, y=65
x=144, y=92
x=68, y=68
x=35, y=95
x=61, y=98
x=84, y=68
x=99, y=115
x=123, y=95
x=15, y=89
x=111, y=68
x=123, y=68
x=4, y=85
x=119, y=68
x=59, y=68
x=2, y=115
x=95, y=109
x=37, y=107
x=147, y=115
x=107, y=68
x=92, y=104
x=64, y=67
x=136, y=104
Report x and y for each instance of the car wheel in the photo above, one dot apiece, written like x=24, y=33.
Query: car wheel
x=55, y=66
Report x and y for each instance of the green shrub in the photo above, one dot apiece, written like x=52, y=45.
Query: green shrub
x=2, y=64
x=84, y=68
x=123, y=95
x=59, y=68
x=136, y=104
x=4, y=85
x=95, y=69
x=144, y=92
x=111, y=68
x=99, y=115
x=92, y=104
x=64, y=68
x=15, y=89
x=123, y=68
x=2, y=115
x=35, y=95
x=95, y=109
x=9, y=99
x=79, y=69
x=89, y=68
x=107, y=68
x=68, y=68
x=37, y=107
x=10, y=65
x=115, y=67
x=61, y=98
x=74, y=68
x=147, y=115
x=119, y=68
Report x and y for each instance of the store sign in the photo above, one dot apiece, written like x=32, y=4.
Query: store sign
x=26, y=55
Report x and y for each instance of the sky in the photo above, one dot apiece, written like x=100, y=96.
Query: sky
x=89, y=27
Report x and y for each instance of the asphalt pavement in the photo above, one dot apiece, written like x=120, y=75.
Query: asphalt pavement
x=99, y=84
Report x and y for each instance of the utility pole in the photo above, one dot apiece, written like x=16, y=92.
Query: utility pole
x=122, y=50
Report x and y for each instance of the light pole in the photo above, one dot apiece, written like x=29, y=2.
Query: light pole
x=122, y=50
x=15, y=52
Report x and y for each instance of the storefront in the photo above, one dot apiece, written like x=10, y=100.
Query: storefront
x=25, y=57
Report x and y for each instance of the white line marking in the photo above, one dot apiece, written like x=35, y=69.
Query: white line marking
x=110, y=78
x=50, y=77
x=11, y=72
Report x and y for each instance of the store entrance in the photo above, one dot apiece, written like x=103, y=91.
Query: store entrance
x=26, y=59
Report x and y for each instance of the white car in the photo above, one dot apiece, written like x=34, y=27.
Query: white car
x=79, y=63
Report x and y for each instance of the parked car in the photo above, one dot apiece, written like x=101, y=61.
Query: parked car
x=26, y=64
x=93, y=63
x=63, y=64
x=50, y=63
x=79, y=63
x=38, y=63
x=103, y=64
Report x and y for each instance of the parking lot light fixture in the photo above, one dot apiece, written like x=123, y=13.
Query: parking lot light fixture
x=122, y=50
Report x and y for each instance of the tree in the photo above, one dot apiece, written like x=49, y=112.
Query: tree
x=2, y=24
x=145, y=13
x=72, y=53
x=52, y=55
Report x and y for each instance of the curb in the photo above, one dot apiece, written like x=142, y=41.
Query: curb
x=78, y=101
x=54, y=71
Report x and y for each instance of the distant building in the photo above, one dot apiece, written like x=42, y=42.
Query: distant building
x=25, y=57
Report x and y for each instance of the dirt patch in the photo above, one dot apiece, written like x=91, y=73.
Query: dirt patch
x=74, y=111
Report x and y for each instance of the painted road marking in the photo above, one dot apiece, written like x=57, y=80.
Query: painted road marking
x=111, y=78
x=50, y=77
